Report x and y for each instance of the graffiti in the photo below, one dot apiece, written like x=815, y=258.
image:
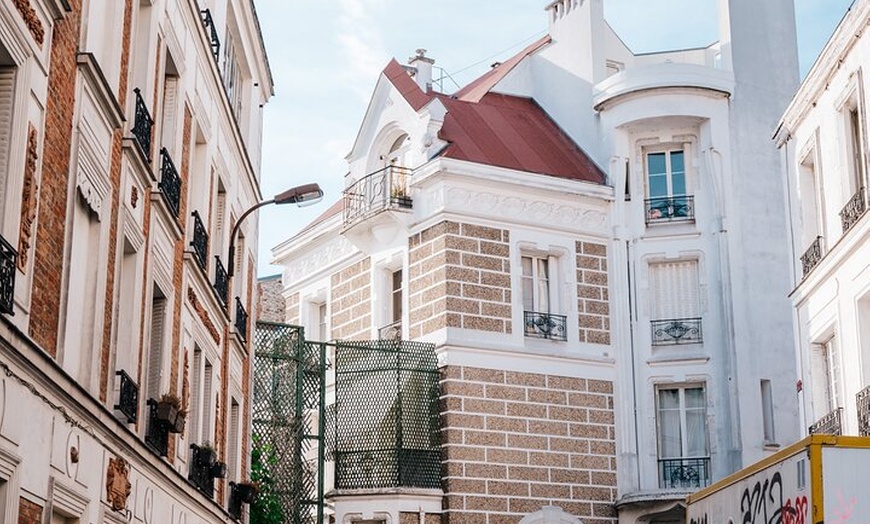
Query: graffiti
x=796, y=514
x=763, y=503
x=844, y=512
x=699, y=520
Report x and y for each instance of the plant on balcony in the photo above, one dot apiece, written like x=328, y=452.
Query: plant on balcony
x=400, y=197
x=170, y=411
x=247, y=491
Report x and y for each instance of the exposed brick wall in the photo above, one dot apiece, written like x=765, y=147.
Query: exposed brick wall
x=29, y=512
x=514, y=442
x=115, y=179
x=51, y=221
x=593, y=297
x=292, y=312
x=459, y=276
x=270, y=300
x=351, y=302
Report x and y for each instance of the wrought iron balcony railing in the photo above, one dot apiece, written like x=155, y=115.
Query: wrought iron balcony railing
x=241, y=493
x=157, y=431
x=211, y=30
x=391, y=331
x=8, y=258
x=812, y=256
x=221, y=281
x=863, y=400
x=199, y=243
x=684, y=473
x=676, y=331
x=381, y=190
x=670, y=209
x=853, y=210
x=204, y=468
x=830, y=424
x=241, y=319
x=128, y=396
x=545, y=325
x=170, y=182
x=142, y=124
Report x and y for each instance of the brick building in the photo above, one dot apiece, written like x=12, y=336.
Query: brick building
x=593, y=241
x=129, y=142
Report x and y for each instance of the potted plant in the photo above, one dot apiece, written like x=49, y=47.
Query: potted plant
x=168, y=407
x=247, y=491
x=177, y=425
x=400, y=196
x=218, y=470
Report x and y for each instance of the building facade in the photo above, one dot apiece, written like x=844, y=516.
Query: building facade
x=593, y=240
x=129, y=142
x=823, y=139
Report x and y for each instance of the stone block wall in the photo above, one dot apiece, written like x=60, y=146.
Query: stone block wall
x=459, y=276
x=593, y=298
x=270, y=299
x=514, y=442
x=351, y=302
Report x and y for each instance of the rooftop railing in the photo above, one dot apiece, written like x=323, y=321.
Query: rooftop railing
x=830, y=424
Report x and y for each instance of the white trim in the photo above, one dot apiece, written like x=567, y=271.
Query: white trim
x=71, y=501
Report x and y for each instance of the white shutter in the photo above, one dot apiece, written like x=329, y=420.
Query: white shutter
x=233, y=448
x=7, y=96
x=207, y=405
x=155, y=355
x=196, y=396
x=170, y=113
x=821, y=384
x=674, y=290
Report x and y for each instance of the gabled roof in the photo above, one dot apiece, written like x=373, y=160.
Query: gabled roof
x=402, y=81
x=476, y=90
x=515, y=133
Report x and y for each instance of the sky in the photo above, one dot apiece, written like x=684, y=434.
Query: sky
x=326, y=56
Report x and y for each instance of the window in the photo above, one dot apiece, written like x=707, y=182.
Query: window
x=827, y=377
x=155, y=353
x=666, y=187
x=767, y=412
x=812, y=211
x=234, y=471
x=684, y=456
x=322, y=331
x=855, y=143
x=232, y=76
x=675, y=309
x=393, y=329
x=540, y=299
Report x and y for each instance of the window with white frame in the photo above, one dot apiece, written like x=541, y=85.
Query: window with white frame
x=827, y=377
x=812, y=211
x=855, y=143
x=540, y=298
x=683, y=446
x=667, y=196
x=675, y=308
x=392, y=328
x=232, y=75
x=854, y=129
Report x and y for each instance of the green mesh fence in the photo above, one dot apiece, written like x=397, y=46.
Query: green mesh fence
x=287, y=426
x=384, y=422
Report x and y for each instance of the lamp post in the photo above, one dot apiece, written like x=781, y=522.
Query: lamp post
x=303, y=195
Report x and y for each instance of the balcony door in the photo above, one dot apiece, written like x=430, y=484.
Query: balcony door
x=684, y=453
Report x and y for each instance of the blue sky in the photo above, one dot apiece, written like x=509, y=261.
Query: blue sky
x=326, y=56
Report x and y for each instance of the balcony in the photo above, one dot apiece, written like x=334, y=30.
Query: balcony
x=391, y=331
x=670, y=209
x=853, y=210
x=170, y=183
x=204, y=468
x=812, y=256
x=221, y=281
x=157, y=431
x=863, y=400
x=211, y=31
x=684, y=473
x=379, y=191
x=199, y=243
x=240, y=493
x=128, y=396
x=675, y=331
x=241, y=319
x=830, y=424
x=8, y=258
x=545, y=325
x=142, y=124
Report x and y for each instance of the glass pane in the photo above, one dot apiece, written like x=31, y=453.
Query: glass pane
x=695, y=398
x=527, y=266
x=696, y=433
x=543, y=268
x=677, y=162
x=669, y=434
x=669, y=399
x=528, y=294
x=658, y=186
x=397, y=280
x=656, y=164
x=678, y=181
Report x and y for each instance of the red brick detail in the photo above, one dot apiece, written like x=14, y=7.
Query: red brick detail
x=29, y=196
x=203, y=315
x=31, y=20
x=51, y=217
x=29, y=512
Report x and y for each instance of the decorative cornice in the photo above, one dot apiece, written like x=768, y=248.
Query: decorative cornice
x=317, y=260
x=91, y=70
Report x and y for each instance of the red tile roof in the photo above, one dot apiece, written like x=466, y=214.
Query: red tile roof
x=402, y=81
x=514, y=133
x=476, y=90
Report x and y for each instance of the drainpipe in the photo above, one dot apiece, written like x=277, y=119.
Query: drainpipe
x=632, y=315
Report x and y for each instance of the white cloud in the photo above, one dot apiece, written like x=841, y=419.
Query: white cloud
x=361, y=44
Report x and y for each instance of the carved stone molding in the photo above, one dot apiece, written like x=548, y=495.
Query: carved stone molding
x=512, y=208
x=318, y=259
x=118, y=487
x=29, y=195
x=31, y=20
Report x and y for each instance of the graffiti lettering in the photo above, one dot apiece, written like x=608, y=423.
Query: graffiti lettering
x=699, y=520
x=763, y=503
x=796, y=514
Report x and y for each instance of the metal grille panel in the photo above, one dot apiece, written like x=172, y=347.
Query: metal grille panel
x=385, y=420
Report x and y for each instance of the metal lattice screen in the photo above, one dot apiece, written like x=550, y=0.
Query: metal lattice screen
x=287, y=425
x=384, y=423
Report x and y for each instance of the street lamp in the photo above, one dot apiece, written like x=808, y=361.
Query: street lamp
x=304, y=195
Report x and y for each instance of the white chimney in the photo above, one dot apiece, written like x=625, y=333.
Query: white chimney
x=423, y=70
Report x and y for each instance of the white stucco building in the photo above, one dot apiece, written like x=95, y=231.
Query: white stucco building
x=595, y=242
x=129, y=145
x=823, y=139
